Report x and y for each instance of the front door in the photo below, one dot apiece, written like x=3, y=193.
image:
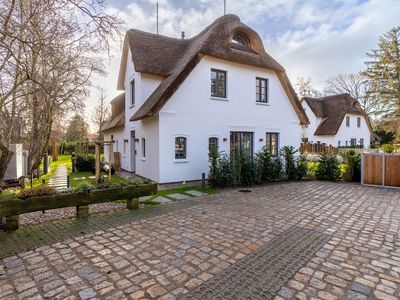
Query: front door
x=133, y=152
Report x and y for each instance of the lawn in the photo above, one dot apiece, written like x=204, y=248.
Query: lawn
x=77, y=178
x=62, y=160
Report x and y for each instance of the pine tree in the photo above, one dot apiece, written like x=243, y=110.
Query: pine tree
x=383, y=73
x=383, y=70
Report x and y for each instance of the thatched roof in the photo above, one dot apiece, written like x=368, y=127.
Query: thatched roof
x=117, y=118
x=174, y=59
x=332, y=110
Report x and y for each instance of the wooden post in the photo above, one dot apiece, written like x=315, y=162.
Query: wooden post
x=132, y=203
x=82, y=211
x=109, y=161
x=12, y=223
x=97, y=163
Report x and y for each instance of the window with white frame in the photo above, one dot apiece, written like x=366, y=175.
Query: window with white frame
x=180, y=147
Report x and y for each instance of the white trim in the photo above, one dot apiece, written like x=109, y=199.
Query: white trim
x=219, y=98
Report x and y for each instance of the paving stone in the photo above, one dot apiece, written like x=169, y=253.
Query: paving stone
x=195, y=193
x=360, y=288
x=87, y=294
x=162, y=200
x=178, y=196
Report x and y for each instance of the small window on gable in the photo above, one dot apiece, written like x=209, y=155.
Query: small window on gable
x=132, y=92
x=347, y=121
x=358, y=122
x=261, y=90
x=143, y=147
x=241, y=39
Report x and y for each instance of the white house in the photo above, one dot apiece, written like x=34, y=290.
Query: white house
x=182, y=96
x=337, y=120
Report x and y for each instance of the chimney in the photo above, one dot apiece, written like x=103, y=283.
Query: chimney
x=182, y=35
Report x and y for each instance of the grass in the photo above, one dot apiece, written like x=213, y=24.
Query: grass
x=182, y=190
x=62, y=160
x=115, y=179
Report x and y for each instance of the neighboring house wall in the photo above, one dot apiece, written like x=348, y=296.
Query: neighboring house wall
x=193, y=113
x=343, y=134
x=15, y=168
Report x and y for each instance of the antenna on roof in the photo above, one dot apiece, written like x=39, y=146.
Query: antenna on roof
x=224, y=7
x=157, y=16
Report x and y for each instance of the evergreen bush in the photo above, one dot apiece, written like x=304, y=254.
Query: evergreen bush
x=328, y=168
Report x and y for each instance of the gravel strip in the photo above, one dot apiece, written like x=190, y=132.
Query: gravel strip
x=69, y=212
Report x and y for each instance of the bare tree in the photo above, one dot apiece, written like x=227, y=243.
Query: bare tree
x=48, y=53
x=305, y=88
x=358, y=87
x=101, y=113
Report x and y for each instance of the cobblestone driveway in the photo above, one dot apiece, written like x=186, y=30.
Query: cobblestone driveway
x=304, y=240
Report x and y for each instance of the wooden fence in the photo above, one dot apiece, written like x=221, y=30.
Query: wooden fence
x=317, y=148
x=380, y=169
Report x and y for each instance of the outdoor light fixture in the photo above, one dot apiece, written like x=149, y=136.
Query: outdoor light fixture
x=261, y=139
x=225, y=139
x=137, y=140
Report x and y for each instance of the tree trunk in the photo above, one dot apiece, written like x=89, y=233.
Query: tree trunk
x=5, y=158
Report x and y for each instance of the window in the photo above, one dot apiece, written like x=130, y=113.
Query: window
x=213, y=144
x=241, y=39
x=218, y=83
x=353, y=142
x=362, y=143
x=358, y=122
x=125, y=146
x=241, y=143
x=132, y=92
x=347, y=121
x=180, y=147
x=116, y=146
x=143, y=147
x=338, y=143
x=272, y=143
x=347, y=143
x=261, y=90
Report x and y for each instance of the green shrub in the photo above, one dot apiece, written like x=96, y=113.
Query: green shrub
x=301, y=170
x=288, y=153
x=68, y=147
x=85, y=187
x=387, y=148
x=265, y=166
x=37, y=191
x=328, y=168
x=85, y=163
x=352, y=171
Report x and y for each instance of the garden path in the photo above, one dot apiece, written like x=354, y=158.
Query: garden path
x=58, y=179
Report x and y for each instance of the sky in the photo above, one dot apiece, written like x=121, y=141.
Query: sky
x=314, y=39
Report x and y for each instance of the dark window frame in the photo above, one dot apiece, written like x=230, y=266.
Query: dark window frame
x=273, y=149
x=215, y=91
x=180, y=141
x=259, y=90
x=215, y=143
x=353, y=142
x=358, y=122
x=362, y=143
x=143, y=147
x=240, y=138
x=133, y=99
x=347, y=121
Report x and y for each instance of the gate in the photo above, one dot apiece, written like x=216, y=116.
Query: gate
x=380, y=169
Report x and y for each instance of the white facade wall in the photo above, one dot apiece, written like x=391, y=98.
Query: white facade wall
x=344, y=133
x=193, y=113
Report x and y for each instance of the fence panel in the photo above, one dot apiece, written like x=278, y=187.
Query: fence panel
x=379, y=169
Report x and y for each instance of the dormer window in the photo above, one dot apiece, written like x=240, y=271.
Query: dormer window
x=241, y=39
